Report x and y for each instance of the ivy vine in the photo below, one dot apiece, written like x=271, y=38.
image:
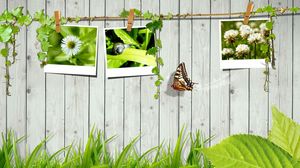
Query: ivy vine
x=12, y=21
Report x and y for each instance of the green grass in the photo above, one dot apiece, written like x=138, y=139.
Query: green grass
x=96, y=155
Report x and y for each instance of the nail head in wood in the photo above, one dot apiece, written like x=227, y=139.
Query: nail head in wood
x=130, y=20
x=248, y=12
x=57, y=21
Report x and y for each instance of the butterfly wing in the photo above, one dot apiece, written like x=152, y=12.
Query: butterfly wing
x=181, y=81
x=188, y=82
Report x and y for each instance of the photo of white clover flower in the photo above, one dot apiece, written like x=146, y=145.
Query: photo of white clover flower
x=240, y=41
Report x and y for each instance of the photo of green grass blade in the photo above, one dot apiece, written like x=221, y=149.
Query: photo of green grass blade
x=95, y=153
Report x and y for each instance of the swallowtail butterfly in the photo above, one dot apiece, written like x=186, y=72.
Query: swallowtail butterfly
x=181, y=82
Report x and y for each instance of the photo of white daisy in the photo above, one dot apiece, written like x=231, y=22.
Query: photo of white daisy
x=73, y=51
x=244, y=45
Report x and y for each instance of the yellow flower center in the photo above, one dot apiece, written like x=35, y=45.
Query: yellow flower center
x=71, y=44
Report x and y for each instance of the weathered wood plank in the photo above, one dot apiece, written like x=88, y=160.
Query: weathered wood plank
x=296, y=66
x=239, y=90
x=2, y=82
x=77, y=89
x=259, y=104
x=219, y=79
x=149, y=106
x=35, y=84
x=132, y=101
x=185, y=55
x=201, y=69
x=16, y=103
x=169, y=98
x=281, y=78
x=55, y=97
x=114, y=96
x=97, y=91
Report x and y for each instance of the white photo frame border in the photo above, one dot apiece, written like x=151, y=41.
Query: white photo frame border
x=239, y=64
x=128, y=71
x=73, y=69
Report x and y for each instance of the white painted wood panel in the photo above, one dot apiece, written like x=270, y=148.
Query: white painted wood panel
x=77, y=89
x=35, y=84
x=149, y=106
x=114, y=96
x=2, y=83
x=219, y=80
x=55, y=96
x=258, y=100
x=132, y=94
x=169, y=98
x=239, y=89
x=16, y=103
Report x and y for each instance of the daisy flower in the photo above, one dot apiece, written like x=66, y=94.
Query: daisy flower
x=245, y=31
x=227, y=51
x=70, y=45
x=241, y=50
x=255, y=38
x=230, y=36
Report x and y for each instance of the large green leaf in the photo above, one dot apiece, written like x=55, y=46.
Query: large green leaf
x=249, y=151
x=125, y=37
x=5, y=33
x=134, y=55
x=285, y=133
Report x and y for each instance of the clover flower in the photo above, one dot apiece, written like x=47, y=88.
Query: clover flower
x=238, y=24
x=241, y=50
x=255, y=38
x=230, y=36
x=227, y=51
x=245, y=31
x=70, y=45
x=264, y=30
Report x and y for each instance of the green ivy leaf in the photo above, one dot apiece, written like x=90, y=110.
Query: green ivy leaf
x=39, y=14
x=160, y=77
x=158, y=43
x=17, y=12
x=152, y=51
x=169, y=16
x=25, y=20
x=45, y=45
x=6, y=16
x=160, y=61
x=259, y=10
x=63, y=20
x=156, y=95
x=155, y=70
x=77, y=19
x=4, y=52
x=154, y=25
x=124, y=13
x=294, y=9
x=5, y=33
x=42, y=56
x=8, y=63
x=147, y=15
x=269, y=25
x=15, y=29
x=157, y=82
x=137, y=12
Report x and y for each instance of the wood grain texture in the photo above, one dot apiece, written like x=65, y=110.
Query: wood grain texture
x=281, y=78
x=76, y=90
x=132, y=93
x=149, y=106
x=35, y=84
x=17, y=102
x=223, y=103
x=2, y=83
x=170, y=53
x=219, y=80
x=296, y=66
x=55, y=96
x=97, y=91
x=201, y=70
x=239, y=90
x=114, y=96
x=258, y=100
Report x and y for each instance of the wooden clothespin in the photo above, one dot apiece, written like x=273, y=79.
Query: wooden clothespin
x=248, y=12
x=130, y=20
x=57, y=21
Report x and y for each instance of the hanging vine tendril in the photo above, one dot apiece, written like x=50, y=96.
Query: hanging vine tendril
x=12, y=21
